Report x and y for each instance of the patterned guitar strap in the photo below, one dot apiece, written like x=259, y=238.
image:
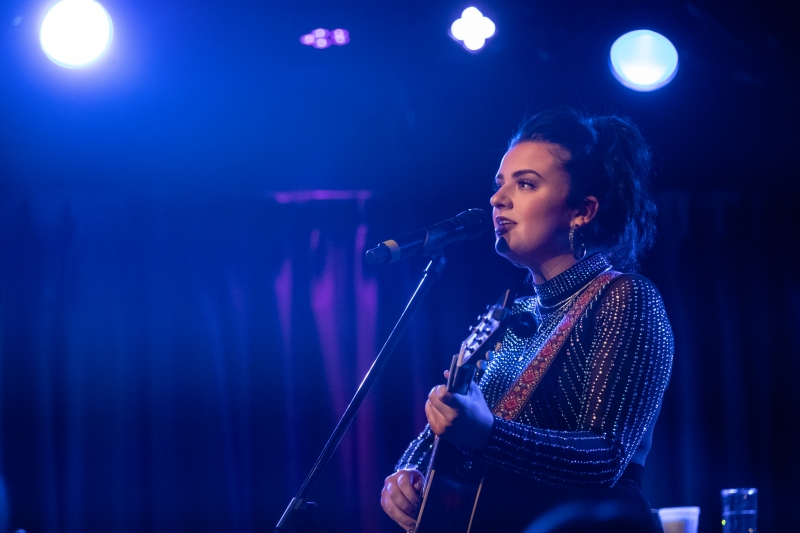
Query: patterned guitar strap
x=515, y=398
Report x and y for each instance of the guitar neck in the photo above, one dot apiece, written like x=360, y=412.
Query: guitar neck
x=454, y=479
x=460, y=376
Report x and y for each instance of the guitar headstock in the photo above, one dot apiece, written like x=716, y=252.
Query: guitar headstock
x=482, y=337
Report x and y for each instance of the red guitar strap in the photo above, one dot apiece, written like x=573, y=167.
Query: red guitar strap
x=515, y=398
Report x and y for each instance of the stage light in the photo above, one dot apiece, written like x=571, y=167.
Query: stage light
x=75, y=33
x=643, y=60
x=472, y=30
x=340, y=37
x=322, y=38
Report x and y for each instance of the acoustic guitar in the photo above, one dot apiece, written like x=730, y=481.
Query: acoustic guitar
x=455, y=476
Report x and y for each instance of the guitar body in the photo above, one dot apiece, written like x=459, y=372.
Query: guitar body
x=452, y=489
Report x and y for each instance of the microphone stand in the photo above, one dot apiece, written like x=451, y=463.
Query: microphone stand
x=298, y=518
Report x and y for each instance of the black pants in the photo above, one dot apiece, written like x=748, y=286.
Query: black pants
x=513, y=504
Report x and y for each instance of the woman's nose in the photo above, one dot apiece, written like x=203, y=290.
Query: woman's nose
x=499, y=198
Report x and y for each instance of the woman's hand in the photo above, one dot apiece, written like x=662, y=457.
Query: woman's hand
x=462, y=419
x=400, y=497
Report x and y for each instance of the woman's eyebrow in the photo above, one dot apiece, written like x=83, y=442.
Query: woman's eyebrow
x=519, y=173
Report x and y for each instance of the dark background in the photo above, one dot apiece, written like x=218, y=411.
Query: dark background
x=156, y=374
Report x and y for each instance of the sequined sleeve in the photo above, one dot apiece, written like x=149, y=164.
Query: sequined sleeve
x=418, y=452
x=617, y=364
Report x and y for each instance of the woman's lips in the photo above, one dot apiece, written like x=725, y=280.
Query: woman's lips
x=502, y=225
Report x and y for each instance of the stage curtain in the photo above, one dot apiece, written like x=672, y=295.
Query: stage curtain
x=175, y=362
x=725, y=265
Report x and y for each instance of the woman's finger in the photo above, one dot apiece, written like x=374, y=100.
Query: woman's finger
x=443, y=400
x=435, y=419
x=410, y=483
x=403, y=519
x=399, y=494
x=399, y=498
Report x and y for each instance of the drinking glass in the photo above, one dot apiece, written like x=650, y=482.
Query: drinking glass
x=739, y=508
x=679, y=519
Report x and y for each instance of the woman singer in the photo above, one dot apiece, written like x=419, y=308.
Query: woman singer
x=571, y=206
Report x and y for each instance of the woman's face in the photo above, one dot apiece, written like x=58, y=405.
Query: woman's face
x=531, y=216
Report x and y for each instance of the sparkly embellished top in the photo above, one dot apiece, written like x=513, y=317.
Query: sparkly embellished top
x=595, y=408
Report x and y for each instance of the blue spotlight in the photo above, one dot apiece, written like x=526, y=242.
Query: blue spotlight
x=472, y=30
x=644, y=60
x=75, y=33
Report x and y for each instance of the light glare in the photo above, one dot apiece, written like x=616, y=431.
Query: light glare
x=75, y=33
x=643, y=60
x=322, y=38
x=472, y=29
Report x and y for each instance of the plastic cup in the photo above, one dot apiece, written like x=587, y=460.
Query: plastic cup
x=739, y=510
x=679, y=519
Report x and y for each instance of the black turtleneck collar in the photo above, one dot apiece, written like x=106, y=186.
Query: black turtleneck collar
x=571, y=280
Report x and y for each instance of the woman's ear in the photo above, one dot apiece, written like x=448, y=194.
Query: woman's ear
x=585, y=212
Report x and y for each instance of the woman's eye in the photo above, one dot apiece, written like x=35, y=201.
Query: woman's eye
x=523, y=184
x=496, y=186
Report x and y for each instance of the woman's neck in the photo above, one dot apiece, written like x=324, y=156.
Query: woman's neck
x=551, y=268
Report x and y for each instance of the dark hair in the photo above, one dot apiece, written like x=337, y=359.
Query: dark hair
x=608, y=159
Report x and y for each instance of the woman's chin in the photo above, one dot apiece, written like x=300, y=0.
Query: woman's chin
x=503, y=249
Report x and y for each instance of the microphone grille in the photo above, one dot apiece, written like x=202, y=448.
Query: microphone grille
x=476, y=222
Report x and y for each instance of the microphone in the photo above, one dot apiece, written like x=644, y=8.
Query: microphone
x=431, y=240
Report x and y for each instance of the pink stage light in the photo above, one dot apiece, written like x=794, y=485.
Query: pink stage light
x=341, y=37
x=300, y=197
x=322, y=38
